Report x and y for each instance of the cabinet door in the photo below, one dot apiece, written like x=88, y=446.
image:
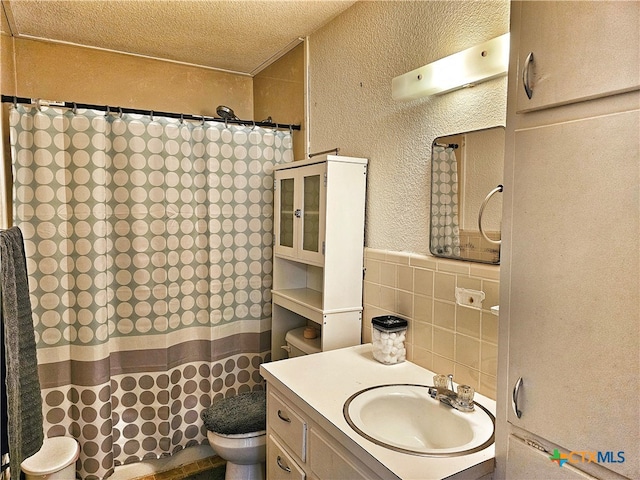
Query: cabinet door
x=285, y=213
x=312, y=221
x=581, y=50
x=574, y=276
x=330, y=461
x=300, y=202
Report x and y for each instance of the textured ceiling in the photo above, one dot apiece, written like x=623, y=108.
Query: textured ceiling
x=240, y=36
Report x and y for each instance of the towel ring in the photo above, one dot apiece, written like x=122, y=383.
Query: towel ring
x=484, y=204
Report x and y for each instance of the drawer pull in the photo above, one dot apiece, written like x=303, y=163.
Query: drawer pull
x=514, y=398
x=283, y=467
x=283, y=417
x=525, y=75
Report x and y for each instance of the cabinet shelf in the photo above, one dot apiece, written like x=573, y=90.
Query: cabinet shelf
x=303, y=301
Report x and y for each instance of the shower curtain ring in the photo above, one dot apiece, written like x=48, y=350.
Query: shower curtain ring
x=254, y=126
x=290, y=129
x=38, y=106
x=202, y=121
x=151, y=115
x=75, y=108
x=181, y=119
x=108, y=112
x=119, y=112
x=15, y=102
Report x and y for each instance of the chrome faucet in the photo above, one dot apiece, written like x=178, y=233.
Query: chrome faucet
x=444, y=392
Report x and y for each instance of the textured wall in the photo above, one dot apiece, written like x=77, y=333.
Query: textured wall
x=352, y=62
x=107, y=78
x=278, y=91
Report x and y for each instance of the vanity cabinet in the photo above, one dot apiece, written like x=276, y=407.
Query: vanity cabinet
x=298, y=448
x=318, y=250
x=569, y=368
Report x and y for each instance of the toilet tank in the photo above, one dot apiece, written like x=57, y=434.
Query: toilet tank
x=297, y=345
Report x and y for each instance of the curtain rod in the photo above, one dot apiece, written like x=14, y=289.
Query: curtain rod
x=447, y=145
x=118, y=110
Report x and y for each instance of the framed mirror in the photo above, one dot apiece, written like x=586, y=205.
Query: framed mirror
x=466, y=195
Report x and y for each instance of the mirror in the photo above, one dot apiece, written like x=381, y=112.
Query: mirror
x=466, y=195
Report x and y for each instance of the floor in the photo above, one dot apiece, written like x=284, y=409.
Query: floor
x=208, y=468
x=181, y=465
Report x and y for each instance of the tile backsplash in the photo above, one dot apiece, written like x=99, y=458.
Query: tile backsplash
x=442, y=336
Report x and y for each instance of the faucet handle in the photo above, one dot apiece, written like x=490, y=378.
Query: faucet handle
x=465, y=396
x=440, y=381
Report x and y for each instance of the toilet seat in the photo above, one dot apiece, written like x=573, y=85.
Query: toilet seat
x=240, y=435
x=55, y=454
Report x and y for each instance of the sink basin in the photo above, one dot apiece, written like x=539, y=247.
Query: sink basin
x=405, y=418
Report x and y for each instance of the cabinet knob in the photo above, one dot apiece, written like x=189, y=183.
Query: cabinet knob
x=283, y=417
x=283, y=467
x=298, y=213
x=525, y=75
x=514, y=398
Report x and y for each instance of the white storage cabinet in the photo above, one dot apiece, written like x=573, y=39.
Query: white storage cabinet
x=318, y=250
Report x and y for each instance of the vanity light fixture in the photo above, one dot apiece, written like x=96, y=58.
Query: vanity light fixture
x=463, y=69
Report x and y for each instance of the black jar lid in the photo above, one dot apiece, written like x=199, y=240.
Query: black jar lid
x=389, y=323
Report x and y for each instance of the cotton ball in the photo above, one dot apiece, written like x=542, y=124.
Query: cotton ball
x=384, y=335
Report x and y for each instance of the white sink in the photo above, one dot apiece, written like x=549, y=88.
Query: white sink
x=406, y=419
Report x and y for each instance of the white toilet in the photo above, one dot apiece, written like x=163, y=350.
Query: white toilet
x=245, y=454
x=56, y=460
x=236, y=430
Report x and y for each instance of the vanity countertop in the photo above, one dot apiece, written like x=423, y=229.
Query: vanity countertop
x=319, y=384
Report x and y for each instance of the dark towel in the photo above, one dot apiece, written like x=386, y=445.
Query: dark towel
x=25, y=423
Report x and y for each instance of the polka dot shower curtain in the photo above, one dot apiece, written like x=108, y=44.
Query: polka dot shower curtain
x=445, y=230
x=148, y=244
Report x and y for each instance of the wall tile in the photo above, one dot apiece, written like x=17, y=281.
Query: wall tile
x=405, y=303
x=405, y=278
x=444, y=314
x=372, y=270
x=442, y=336
x=388, y=274
x=422, y=309
x=423, y=281
x=468, y=321
x=388, y=299
x=468, y=351
x=444, y=343
x=444, y=286
x=492, y=294
x=469, y=282
x=489, y=327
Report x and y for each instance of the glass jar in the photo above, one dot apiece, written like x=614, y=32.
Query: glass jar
x=388, y=336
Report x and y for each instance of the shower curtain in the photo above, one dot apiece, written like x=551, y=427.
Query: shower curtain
x=149, y=244
x=445, y=230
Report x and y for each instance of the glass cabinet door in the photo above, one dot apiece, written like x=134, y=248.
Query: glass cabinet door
x=285, y=231
x=311, y=217
x=313, y=199
x=299, y=213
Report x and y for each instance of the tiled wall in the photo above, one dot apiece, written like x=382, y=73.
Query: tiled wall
x=442, y=336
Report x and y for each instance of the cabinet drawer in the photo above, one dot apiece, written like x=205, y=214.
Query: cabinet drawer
x=280, y=466
x=288, y=425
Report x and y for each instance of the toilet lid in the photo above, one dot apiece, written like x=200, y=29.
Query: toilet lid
x=55, y=454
